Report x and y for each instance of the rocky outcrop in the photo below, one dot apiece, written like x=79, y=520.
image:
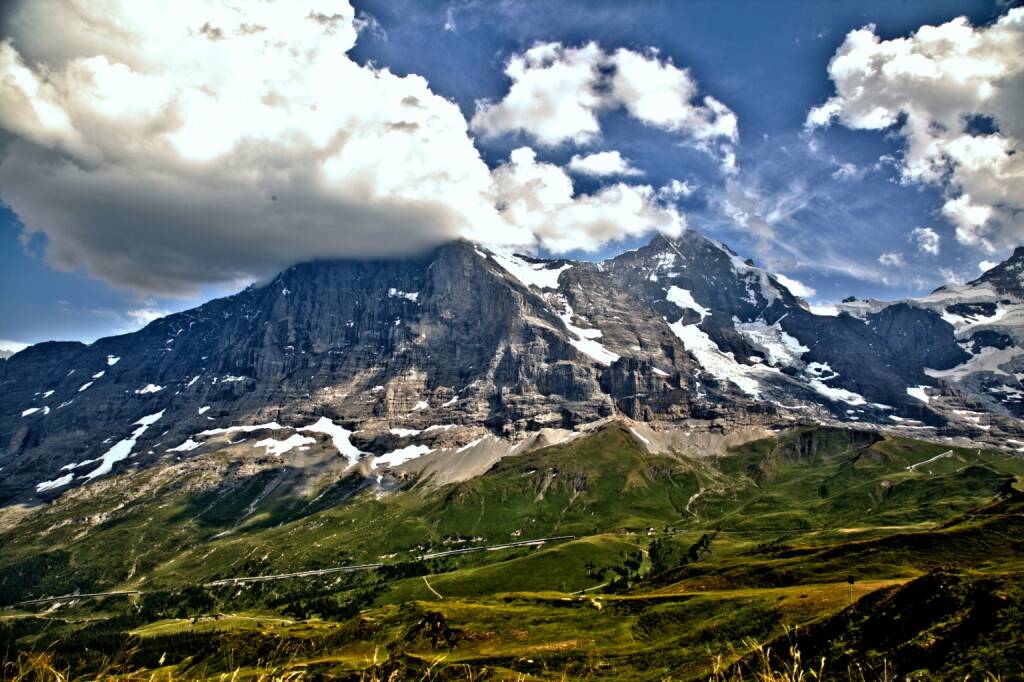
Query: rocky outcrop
x=461, y=338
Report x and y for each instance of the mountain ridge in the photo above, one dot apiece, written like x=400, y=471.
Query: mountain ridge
x=679, y=332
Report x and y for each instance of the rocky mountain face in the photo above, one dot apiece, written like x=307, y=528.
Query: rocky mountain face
x=398, y=367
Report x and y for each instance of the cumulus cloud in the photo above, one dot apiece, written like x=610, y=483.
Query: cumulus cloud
x=554, y=95
x=539, y=196
x=927, y=240
x=603, y=164
x=891, y=259
x=986, y=265
x=955, y=93
x=162, y=147
x=558, y=93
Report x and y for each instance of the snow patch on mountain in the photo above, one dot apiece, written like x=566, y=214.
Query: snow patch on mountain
x=837, y=394
x=269, y=426
x=861, y=308
x=584, y=341
x=122, y=449
x=825, y=309
x=401, y=455
x=717, y=363
x=988, y=360
x=409, y=296
x=340, y=436
x=781, y=349
x=972, y=292
x=756, y=278
x=531, y=274
x=684, y=299
x=55, y=483
x=918, y=392
x=280, y=447
x=820, y=372
x=966, y=323
x=187, y=446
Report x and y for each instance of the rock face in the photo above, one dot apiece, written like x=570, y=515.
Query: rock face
x=1006, y=278
x=470, y=342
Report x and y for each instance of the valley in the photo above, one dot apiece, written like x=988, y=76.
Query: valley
x=448, y=340
x=813, y=536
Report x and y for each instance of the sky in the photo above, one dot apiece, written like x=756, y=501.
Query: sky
x=151, y=160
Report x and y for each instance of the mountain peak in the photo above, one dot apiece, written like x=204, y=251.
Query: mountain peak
x=462, y=337
x=1006, y=277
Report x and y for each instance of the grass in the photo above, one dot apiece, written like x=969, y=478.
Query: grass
x=688, y=587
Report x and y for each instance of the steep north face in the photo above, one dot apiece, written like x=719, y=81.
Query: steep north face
x=396, y=360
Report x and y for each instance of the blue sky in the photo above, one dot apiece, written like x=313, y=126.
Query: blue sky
x=834, y=207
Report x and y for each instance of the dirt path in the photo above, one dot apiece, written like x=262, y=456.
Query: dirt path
x=430, y=587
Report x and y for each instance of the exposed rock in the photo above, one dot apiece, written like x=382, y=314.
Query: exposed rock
x=681, y=331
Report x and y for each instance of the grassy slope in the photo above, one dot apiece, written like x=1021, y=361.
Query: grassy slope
x=788, y=520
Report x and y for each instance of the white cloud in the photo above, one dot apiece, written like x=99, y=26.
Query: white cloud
x=795, y=286
x=143, y=316
x=366, y=23
x=986, y=265
x=553, y=95
x=927, y=240
x=957, y=92
x=449, y=19
x=674, y=190
x=602, y=164
x=539, y=196
x=891, y=259
x=161, y=147
x=558, y=92
x=950, y=276
x=846, y=171
x=759, y=210
x=662, y=95
x=9, y=346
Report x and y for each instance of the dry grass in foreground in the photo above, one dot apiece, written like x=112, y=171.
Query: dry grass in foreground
x=763, y=665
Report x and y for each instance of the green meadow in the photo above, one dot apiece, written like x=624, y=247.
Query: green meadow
x=819, y=547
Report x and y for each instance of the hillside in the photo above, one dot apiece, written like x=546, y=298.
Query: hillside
x=671, y=576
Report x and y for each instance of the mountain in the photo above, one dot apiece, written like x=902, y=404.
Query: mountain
x=470, y=463
x=436, y=367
